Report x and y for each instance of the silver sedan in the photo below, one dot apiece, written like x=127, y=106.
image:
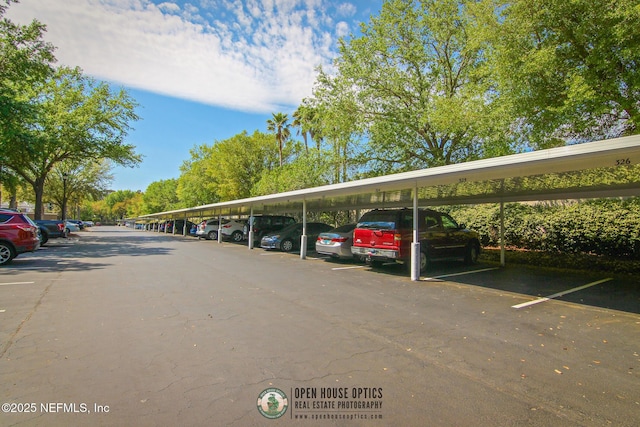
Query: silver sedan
x=337, y=242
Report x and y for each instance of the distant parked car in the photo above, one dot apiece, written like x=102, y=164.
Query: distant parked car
x=179, y=226
x=50, y=229
x=77, y=222
x=264, y=224
x=71, y=227
x=231, y=229
x=288, y=238
x=385, y=235
x=18, y=234
x=337, y=242
x=208, y=229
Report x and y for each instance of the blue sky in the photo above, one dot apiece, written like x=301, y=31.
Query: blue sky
x=201, y=70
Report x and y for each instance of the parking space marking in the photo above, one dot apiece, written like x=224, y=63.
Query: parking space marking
x=559, y=294
x=16, y=283
x=2, y=311
x=459, y=274
x=348, y=268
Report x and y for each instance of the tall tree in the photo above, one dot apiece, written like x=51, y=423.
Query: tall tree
x=306, y=119
x=196, y=184
x=279, y=124
x=78, y=118
x=306, y=171
x=72, y=182
x=415, y=83
x=25, y=58
x=569, y=67
x=161, y=196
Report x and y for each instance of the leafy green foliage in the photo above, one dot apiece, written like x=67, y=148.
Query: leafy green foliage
x=305, y=171
x=279, y=125
x=416, y=84
x=161, y=196
x=569, y=67
x=600, y=227
x=78, y=119
x=25, y=59
x=196, y=185
x=77, y=181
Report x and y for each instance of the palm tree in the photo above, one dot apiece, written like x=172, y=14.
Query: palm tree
x=278, y=124
x=305, y=118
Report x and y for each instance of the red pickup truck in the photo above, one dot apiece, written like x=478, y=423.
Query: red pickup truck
x=385, y=235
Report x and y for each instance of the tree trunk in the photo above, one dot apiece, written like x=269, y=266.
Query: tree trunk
x=38, y=189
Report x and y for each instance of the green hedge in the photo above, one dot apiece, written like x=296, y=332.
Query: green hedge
x=600, y=227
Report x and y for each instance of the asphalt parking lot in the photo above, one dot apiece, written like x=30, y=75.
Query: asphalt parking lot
x=122, y=327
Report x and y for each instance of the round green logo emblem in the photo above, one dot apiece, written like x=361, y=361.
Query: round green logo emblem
x=272, y=403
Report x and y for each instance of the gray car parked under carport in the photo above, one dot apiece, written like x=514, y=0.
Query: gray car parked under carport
x=288, y=238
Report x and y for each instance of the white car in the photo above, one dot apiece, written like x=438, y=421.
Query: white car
x=231, y=229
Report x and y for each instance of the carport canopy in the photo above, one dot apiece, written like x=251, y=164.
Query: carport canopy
x=606, y=168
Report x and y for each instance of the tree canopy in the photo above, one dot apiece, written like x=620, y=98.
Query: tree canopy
x=570, y=68
x=77, y=118
x=415, y=83
x=25, y=58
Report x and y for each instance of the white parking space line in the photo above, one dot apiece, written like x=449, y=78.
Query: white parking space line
x=2, y=311
x=559, y=294
x=16, y=283
x=459, y=274
x=348, y=268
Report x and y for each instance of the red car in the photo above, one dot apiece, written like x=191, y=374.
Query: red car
x=18, y=234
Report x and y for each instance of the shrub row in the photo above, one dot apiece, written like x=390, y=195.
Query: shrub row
x=608, y=227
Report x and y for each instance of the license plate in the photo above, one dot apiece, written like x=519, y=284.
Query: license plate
x=326, y=242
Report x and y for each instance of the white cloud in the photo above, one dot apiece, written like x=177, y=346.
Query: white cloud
x=252, y=55
x=169, y=7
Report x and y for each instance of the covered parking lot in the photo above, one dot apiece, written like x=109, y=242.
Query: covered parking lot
x=608, y=168
x=148, y=329
x=152, y=329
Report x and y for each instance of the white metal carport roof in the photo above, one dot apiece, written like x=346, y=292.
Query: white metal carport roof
x=611, y=167
x=395, y=190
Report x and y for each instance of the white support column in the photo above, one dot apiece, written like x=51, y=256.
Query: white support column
x=303, y=238
x=251, y=229
x=415, y=245
x=220, y=227
x=502, y=250
x=184, y=226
